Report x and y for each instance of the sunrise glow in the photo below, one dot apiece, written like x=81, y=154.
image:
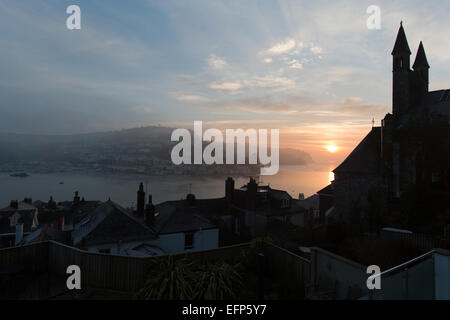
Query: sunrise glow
x=332, y=148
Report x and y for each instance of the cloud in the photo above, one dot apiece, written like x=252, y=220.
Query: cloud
x=229, y=87
x=216, y=62
x=362, y=109
x=272, y=82
x=290, y=52
x=281, y=47
x=187, y=96
x=255, y=105
x=295, y=64
x=316, y=50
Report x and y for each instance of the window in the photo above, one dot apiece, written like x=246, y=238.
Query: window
x=107, y=250
x=237, y=226
x=316, y=213
x=188, y=240
x=285, y=203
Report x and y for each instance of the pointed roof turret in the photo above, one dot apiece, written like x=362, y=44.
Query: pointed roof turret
x=421, y=59
x=401, y=44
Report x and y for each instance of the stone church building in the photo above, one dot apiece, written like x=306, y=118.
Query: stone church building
x=411, y=146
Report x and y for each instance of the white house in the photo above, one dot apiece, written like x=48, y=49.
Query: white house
x=172, y=227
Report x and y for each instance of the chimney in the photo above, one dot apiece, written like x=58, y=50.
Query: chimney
x=301, y=196
x=141, y=200
x=19, y=231
x=51, y=203
x=252, y=190
x=76, y=199
x=149, y=212
x=190, y=200
x=229, y=190
x=14, y=204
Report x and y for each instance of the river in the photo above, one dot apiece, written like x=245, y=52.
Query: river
x=122, y=188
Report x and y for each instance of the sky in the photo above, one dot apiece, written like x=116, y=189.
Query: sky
x=309, y=68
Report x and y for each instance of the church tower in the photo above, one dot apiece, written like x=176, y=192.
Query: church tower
x=421, y=70
x=401, y=74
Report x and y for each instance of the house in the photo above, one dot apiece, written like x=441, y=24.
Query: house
x=16, y=220
x=111, y=228
x=181, y=227
x=253, y=206
x=63, y=215
x=168, y=228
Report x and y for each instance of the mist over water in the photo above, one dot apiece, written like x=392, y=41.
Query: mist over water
x=122, y=188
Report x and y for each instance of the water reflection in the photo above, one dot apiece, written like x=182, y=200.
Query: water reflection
x=122, y=188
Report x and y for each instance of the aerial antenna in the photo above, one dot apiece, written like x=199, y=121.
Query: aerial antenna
x=373, y=122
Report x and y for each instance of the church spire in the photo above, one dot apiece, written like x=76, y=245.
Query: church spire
x=421, y=59
x=422, y=70
x=401, y=44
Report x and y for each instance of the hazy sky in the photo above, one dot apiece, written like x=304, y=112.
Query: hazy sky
x=310, y=68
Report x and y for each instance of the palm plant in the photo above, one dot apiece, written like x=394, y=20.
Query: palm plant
x=180, y=279
x=218, y=281
x=169, y=279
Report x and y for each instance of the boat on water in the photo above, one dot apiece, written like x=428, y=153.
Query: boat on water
x=19, y=175
x=62, y=182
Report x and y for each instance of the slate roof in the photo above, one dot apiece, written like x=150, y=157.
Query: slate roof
x=179, y=216
x=82, y=209
x=365, y=158
x=437, y=102
x=328, y=190
x=278, y=194
x=45, y=233
x=21, y=206
x=109, y=223
x=25, y=211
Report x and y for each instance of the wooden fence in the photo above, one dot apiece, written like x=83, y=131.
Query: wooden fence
x=284, y=263
x=124, y=273
x=417, y=239
x=121, y=273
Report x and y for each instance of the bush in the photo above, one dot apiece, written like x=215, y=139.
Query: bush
x=181, y=279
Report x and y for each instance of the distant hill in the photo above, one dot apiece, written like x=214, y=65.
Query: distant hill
x=155, y=139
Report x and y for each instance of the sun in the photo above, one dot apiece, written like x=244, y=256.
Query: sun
x=332, y=148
